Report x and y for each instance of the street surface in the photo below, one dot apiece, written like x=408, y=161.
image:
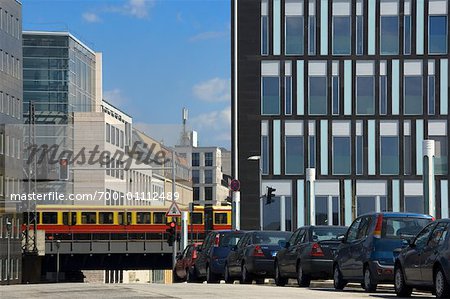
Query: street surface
x=184, y=290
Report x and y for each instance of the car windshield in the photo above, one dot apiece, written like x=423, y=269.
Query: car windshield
x=271, y=238
x=402, y=227
x=230, y=239
x=327, y=234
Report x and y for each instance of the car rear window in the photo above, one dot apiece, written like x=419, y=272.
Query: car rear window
x=406, y=227
x=327, y=234
x=271, y=238
x=230, y=239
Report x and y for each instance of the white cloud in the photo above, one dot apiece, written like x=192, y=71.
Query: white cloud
x=215, y=120
x=114, y=97
x=208, y=35
x=213, y=90
x=91, y=17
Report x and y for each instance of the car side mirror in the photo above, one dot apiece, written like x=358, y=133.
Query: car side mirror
x=341, y=238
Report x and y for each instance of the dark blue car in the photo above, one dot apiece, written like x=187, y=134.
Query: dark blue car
x=366, y=253
x=210, y=263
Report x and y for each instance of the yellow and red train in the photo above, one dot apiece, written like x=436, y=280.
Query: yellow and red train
x=66, y=220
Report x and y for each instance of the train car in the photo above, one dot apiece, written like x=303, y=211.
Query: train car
x=125, y=222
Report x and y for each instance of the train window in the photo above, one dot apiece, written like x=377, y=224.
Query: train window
x=66, y=218
x=49, y=218
x=159, y=218
x=143, y=217
x=88, y=218
x=120, y=218
x=220, y=218
x=105, y=217
x=74, y=218
x=197, y=218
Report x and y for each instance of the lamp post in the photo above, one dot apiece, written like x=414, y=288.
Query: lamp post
x=58, y=244
x=8, y=250
x=258, y=158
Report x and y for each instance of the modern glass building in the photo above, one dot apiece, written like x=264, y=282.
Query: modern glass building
x=350, y=88
x=60, y=77
x=11, y=95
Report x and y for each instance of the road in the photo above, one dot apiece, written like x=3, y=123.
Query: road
x=184, y=290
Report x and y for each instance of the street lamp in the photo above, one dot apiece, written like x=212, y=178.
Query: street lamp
x=8, y=249
x=58, y=244
x=258, y=158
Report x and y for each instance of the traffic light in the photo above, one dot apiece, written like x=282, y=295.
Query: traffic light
x=171, y=232
x=270, y=194
x=63, y=170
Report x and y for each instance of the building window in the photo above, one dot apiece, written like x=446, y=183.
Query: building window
x=209, y=159
x=288, y=95
x=413, y=95
x=359, y=28
x=389, y=36
x=342, y=35
x=365, y=95
x=407, y=32
x=441, y=154
x=407, y=156
x=264, y=27
x=195, y=159
x=195, y=176
x=335, y=86
x=389, y=155
x=294, y=155
x=341, y=155
x=383, y=94
x=270, y=95
x=312, y=151
x=265, y=154
x=312, y=28
x=431, y=95
x=317, y=103
x=359, y=154
x=369, y=204
x=208, y=176
x=208, y=193
x=323, y=209
x=437, y=36
x=414, y=204
x=294, y=35
x=196, y=193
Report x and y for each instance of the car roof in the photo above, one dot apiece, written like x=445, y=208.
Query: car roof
x=399, y=214
x=323, y=226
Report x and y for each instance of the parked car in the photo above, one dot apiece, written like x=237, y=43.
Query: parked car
x=308, y=255
x=366, y=252
x=425, y=262
x=253, y=257
x=211, y=257
x=185, y=261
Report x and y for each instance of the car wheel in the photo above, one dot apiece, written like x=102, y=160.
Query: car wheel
x=227, y=276
x=441, y=285
x=338, y=280
x=401, y=289
x=210, y=277
x=303, y=280
x=369, y=285
x=279, y=280
x=246, y=277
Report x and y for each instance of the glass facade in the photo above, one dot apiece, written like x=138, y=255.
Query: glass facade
x=413, y=95
x=365, y=95
x=294, y=35
x=318, y=96
x=294, y=155
x=389, y=37
x=270, y=95
x=342, y=35
x=437, y=36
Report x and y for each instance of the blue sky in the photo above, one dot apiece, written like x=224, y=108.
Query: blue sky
x=158, y=56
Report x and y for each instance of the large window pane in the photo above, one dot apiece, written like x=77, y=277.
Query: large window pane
x=389, y=35
x=312, y=151
x=335, y=95
x=288, y=95
x=407, y=39
x=264, y=35
x=365, y=95
x=389, y=155
x=321, y=210
x=440, y=158
x=431, y=94
x=383, y=95
x=359, y=35
x=294, y=155
x=368, y=204
x=341, y=35
x=341, y=155
x=413, y=95
x=294, y=35
x=359, y=154
x=312, y=35
x=270, y=95
x=407, y=154
x=265, y=154
x=437, y=38
x=317, y=95
x=414, y=204
x=271, y=214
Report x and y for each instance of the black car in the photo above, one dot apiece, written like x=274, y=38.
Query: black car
x=211, y=255
x=366, y=254
x=425, y=262
x=308, y=255
x=253, y=257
